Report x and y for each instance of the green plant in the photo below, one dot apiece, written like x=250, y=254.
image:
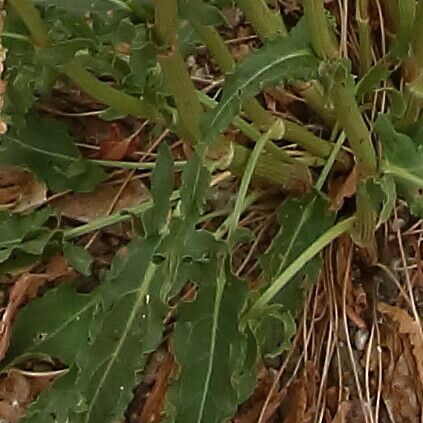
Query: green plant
x=129, y=57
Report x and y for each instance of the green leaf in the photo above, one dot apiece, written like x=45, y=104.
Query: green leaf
x=383, y=195
x=52, y=405
x=405, y=18
x=373, y=78
x=162, y=184
x=55, y=325
x=403, y=159
x=45, y=147
x=184, y=245
x=195, y=183
x=129, y=331
x=78, y=257
x=106, y=334
x=302, y=222
x=364, y=229
x=200, y=12
x=279, y=60
x=82, y=7
x=25, y=235
x=208, y=348
x=273, y=330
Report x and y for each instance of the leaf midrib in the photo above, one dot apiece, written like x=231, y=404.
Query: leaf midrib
x=296, y=234
x=222, y=108
x=151, y=270
x=402, y=173
x=41, y=151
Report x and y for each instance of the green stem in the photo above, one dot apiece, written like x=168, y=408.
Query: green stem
x=330, y=161
x=266, y=23
x=133, y=165
x=216, y=46
x=417, y=35
x=220, y=52
x=118, y=217
x=299, y=263
x=99, y=90
x=364, y=36
x=315, y=145
x=166, y=22
x=250, y=131
x=108, y=95
x=293, y=132
x=313, y=95
x=246, y=178
x=291, y=177
x=32, y=19
x=177, y=79
x=321, y=36
x=351, y=120
x=249, y=201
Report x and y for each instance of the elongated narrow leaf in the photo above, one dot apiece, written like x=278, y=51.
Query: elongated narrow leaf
x=184, y=244
x=282, y=59
x=124, y=323
x=403, y=159
x=195, y=183
x=45, y=147
x=130, y=330
x=161, y=188
x=24, y=235
x=302, y=222
x=208, y=347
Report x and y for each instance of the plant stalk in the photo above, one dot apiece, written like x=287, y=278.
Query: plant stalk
x=351, y=120
x=91, y=85
x=32, y=20
x=294, y=133
x=177, y=80
x=364, y=36
x=310, y=252
x=261, y=19
x=266, y=23
x=322, y=37
x=108, y=95
x=291, y=177
x=417, y=37
x=220, y=52
x=247, y=176
x=315, y=145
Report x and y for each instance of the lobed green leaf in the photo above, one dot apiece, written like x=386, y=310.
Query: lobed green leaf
x=45, y=147
x=403, y=159
x=209, y=349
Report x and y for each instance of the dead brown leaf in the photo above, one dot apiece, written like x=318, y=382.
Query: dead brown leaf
x=152, y=410
x=19, y=190
x=17, y=391
x=23, y=289
x=250, y=411
x=407, y=326
x=117, y=150
x=343, y=188
x=85, y=207
x=298, y=406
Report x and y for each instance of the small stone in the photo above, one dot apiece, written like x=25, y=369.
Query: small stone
x=360, y=339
